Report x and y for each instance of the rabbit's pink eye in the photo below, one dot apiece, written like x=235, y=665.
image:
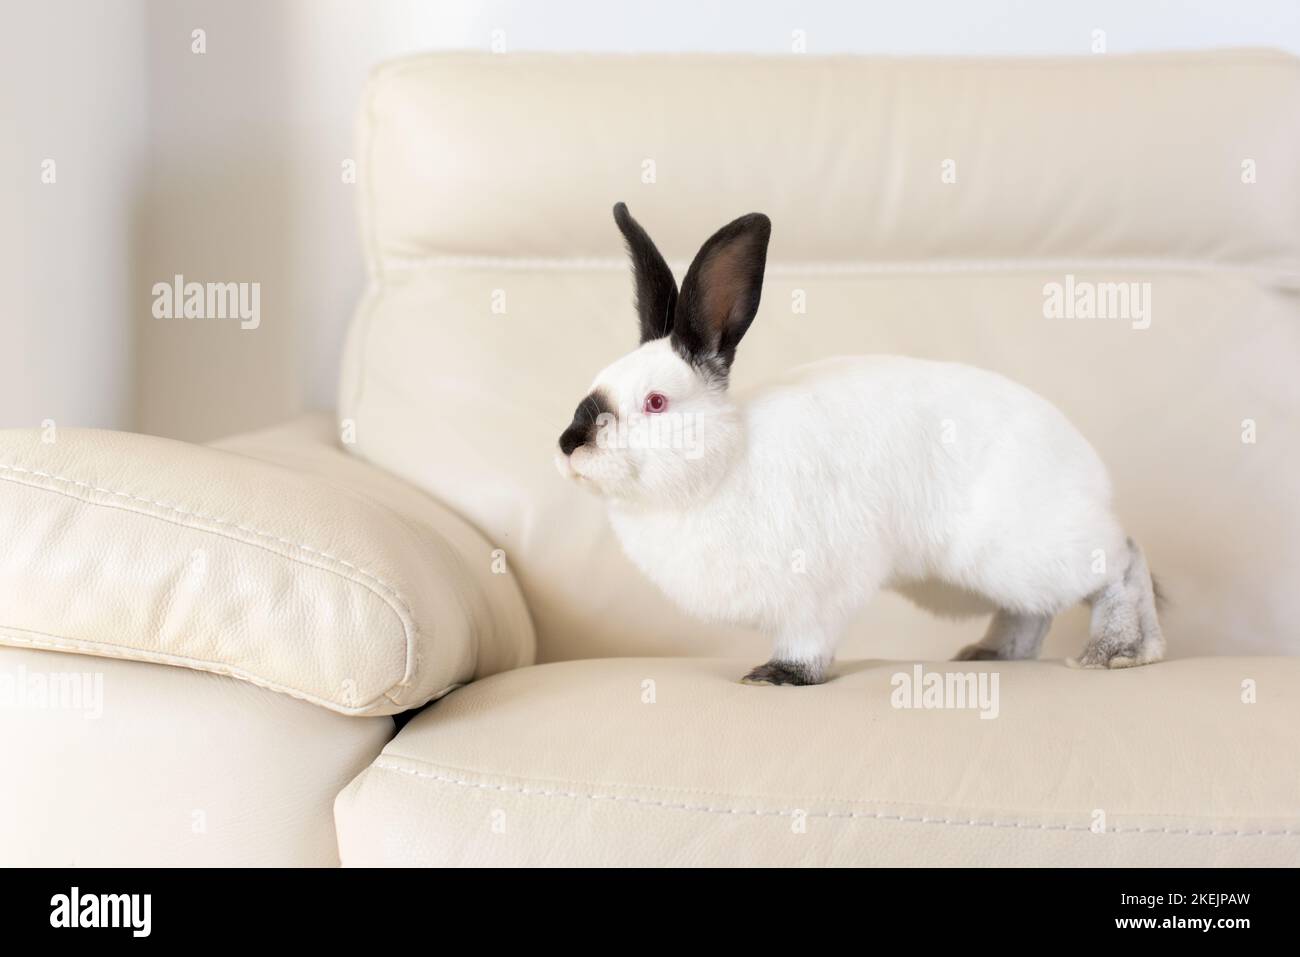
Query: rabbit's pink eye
x=655, y=402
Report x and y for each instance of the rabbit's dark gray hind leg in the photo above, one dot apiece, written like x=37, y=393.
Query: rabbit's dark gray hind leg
x=1125, y=630
x=1010, y=636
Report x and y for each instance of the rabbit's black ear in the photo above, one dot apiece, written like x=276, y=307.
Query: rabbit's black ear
x=720, y=293
x=656, y=289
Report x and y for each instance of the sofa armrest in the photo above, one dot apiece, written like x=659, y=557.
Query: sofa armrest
x=318, y=576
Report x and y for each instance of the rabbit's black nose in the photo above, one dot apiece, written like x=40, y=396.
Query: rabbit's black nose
x=572, y=437
x=583, y=428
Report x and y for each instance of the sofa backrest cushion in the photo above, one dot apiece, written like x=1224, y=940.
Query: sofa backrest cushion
x=927, y=207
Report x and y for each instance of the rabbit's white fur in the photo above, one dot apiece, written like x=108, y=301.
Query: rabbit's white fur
x=788, y=508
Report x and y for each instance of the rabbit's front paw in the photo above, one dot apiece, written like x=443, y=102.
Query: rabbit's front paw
x=784, y=673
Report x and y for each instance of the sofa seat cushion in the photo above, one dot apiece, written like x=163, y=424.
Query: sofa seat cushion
x=671, y=761
x=111, y=763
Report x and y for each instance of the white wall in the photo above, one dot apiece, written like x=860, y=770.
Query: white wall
x=220, y=207
x=238, y=168
x=72, y=90
x=979, y=27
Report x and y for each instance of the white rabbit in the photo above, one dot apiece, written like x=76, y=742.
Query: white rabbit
x=788, y=509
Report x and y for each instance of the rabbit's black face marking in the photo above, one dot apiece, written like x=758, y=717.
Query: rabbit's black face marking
x=585, y=417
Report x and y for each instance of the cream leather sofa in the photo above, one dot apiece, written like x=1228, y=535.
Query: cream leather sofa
x=203, y=648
